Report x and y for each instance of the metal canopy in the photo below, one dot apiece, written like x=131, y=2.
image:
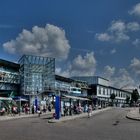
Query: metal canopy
x=21, y=99
x=74, y=97
x=6, y=98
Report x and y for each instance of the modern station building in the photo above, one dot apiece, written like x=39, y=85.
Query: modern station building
x=100, y=90
x=72, y=92
x=33, y=78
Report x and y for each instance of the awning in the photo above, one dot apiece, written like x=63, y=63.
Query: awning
x=75, y=97
x=21, y=99
x=6, y=98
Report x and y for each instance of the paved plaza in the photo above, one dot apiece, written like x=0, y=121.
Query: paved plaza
x=108, y=125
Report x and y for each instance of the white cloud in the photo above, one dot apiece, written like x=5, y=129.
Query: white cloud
x=65, y=73
x=136, y=42
x=135, y=10
x=58, y=70
x=118, y=78
x=123, y=79
x=117, y=26
x=83, y=65
x=108, y=72
x=133, y=26
x=120, y=36
x=79, y=66
x=117, y=32
x=113, y=51
x=49, y=41
x=103, y=37
x=135, y=65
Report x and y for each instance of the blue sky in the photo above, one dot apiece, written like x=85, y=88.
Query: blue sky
x=87, y=37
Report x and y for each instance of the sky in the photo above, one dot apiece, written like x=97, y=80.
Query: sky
x=87, y=37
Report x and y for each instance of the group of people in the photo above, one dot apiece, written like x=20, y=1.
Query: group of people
x=77, y=109
x=2, y=111
x=10, y=110
x=25, y=108
x=41, y=109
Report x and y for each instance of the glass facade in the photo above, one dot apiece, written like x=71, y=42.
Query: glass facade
x=71, y=87
x=9, y=76
x=37, y=74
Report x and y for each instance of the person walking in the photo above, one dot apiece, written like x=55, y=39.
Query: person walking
x=89, y=111
x=39, y=111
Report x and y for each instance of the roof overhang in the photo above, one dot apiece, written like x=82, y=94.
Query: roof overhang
x=75, y=97
x=6, y=98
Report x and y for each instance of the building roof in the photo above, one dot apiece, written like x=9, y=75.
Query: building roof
x=75, y=97
x=9, y=64
x=75, y=83
x=78, y=77
x=120, y=89
x=64, y=79
x=112, y=88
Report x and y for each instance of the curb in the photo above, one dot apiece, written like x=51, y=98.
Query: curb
x=77, y=116
x=132, y=118
x=133, y=114
x=5, y=118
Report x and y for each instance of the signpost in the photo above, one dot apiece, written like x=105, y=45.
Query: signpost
x=57, y=107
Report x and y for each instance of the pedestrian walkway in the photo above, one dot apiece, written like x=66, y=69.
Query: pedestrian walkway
x=62, y=119
x=23, y=115
x=134, y=114
x=67, y=118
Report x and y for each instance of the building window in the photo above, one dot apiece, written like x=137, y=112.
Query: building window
x=103, y=91
x=99, y=90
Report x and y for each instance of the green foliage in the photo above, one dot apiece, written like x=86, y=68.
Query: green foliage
x=127, y=99
x=112, y=96
x=135, y=95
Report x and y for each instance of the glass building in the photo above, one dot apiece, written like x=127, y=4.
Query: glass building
x=37, y=74
x=9, y=78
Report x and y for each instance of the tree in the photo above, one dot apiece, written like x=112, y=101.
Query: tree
x=135, y=95
x=112, y=97
x=127, y=99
